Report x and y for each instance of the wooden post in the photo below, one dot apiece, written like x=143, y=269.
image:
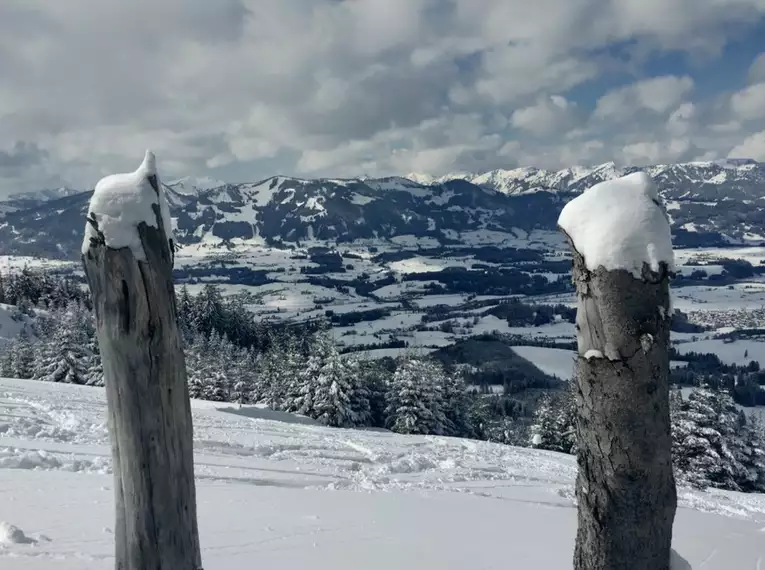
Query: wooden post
x=145, y=377
x=625, y=485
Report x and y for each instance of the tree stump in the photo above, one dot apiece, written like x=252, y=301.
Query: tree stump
x=625, y=485
x=146, y=388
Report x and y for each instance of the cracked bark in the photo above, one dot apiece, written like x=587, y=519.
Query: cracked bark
x=147, y=395
x=625, y=486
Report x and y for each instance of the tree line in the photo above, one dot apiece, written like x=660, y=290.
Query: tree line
x=714, y=444
x=230, y=357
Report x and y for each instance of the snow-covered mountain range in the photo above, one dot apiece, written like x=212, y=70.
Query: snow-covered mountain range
x=26, y=200
x=577, y=178
x=710, y=203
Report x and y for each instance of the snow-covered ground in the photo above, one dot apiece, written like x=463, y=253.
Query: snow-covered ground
x=740, y=352
x=552, y=361
x=560, y=362
x=284, y=493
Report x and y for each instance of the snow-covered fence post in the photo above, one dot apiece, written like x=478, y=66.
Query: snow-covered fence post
x=128, y=257
x=625, y=488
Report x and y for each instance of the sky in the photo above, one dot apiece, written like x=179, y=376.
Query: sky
x=239, y=90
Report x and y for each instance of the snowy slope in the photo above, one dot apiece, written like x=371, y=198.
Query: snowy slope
x=553, y=361
x=289, y=495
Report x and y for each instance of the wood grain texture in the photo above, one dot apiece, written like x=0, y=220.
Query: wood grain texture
x=625, y=485
x=149, y=409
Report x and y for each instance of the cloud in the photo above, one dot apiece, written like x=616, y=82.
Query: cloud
x=546, y=116
x=25, y=162
x=749, y=103
x=653, y=152
x=247, y=88
x=753, y=146
x=21, y=155
x=757, y=69
x=657, y=94
x=682, y=119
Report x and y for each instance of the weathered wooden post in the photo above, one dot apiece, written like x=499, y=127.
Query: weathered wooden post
x=623, y=257
x=128, y=257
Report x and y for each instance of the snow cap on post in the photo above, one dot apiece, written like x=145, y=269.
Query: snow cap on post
x=620, y=224
x=120, y=203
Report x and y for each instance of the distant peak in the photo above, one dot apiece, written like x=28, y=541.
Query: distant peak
x=195, y=184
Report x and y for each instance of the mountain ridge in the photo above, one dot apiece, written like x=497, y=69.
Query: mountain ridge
x=492, y=208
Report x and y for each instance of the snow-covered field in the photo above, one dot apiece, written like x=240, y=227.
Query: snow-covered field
x=552, y=361
x=283, y=493
x=740, y=352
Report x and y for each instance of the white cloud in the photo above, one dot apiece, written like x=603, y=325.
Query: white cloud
x=753, y=146
x=749, y=103
x=682, y=119
x=652, y=152
x=546, y=116
x=657, y=94
x=727, y=127
x=338, y=87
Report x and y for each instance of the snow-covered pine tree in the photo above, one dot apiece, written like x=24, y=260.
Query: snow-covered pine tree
x=197, y=365
x=215, y=387
x=208, y=314
x=703, y=426
x=435, y=380
x=289, y=371
x=375, y=379
x=95, y=373
x=553, y=426
x=267, y=388
x=224, y=357
x=331, y=392
x=749, y=449
x=244, y=374
x=360, y=393
x=22, y=356
x=296, y=374
x=6, y=360
x=411, y=399
x=63, y=356
x=457, y=405
x=298, y=390
x=185, y=309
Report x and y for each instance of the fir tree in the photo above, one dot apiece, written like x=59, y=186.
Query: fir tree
x=208, y=314
x=412, y=400
x=553, y=427
x=296, y=377
x=63, y=357
x=331, y=393
x=95, y=373
x=360, y=394
x=375, y=379
x=22, y=356
x=215, y=388
x=243, y=387
x=703, y=426
x=749, y=450
x=6, y=361
x=456, y=406
x=185, y=309
x=197, y=369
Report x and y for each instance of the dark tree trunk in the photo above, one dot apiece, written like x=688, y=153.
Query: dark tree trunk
x=625, y=487
x=149, y=409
